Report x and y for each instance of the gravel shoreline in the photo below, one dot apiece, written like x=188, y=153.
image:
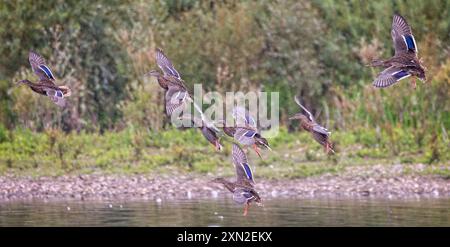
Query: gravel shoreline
x=374, y=181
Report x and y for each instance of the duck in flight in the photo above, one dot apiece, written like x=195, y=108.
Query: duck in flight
x=46, y=83
x=243, y=188
x=245, y=131
x=308, y=123
x=208, y=131
x=405, y=62
x=176, y=92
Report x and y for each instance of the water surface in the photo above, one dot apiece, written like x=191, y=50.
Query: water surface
x=224, y=212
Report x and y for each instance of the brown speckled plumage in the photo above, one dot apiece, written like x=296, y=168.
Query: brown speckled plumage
x=319, y=133
x=243, y=188
x=46, y=83
x=405, y=62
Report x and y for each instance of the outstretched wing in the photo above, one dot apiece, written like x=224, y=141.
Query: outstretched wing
x=40, y=67
x=242, y=195
x=175, y=98
x=402, y=37
x=56, y=96
x=244, y=172
x=310, y=116
x=390, y=76
x=166, y=65
x=245, y=136
x=319, y=129
x=243, y=117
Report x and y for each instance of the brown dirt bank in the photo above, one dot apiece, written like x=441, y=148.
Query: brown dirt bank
x=376, y=181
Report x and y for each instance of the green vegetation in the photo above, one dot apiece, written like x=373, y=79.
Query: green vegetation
x=136, y=151
x=315, y=49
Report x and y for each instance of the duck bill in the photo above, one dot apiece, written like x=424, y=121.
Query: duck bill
x=218, y=146
x=267, y=146
x=217, y=180
x=17, y=84
x=152, y=73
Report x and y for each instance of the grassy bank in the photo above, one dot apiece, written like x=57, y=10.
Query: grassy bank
x=137, y=151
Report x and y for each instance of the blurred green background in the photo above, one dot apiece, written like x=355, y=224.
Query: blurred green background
x=316, y=49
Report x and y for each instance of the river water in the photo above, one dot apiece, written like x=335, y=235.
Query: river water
x=224, y=212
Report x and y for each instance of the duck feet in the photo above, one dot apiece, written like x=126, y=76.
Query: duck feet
x=245, y=209
x=255, y=147
x=329, y=148
x=413, y=83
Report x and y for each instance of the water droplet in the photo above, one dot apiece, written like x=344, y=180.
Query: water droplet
x=214, y=194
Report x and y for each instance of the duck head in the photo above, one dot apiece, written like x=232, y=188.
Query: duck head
x=300, y=117
x=219, y=181
x=419, y=72
x=261, y=141
x=154, y=73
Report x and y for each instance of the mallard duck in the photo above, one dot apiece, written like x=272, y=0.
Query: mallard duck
x=250, y=137
x=319, y=133
x=46, y=84
x=170, y=76
x=176, y=92
x=245, y=131
x=243, y=188
x=405, y=62
x=207, y=129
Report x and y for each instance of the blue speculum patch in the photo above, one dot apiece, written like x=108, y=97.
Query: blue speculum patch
x=59, y=94
x=247, y=195
x=248, y=171
x=47, y=71
x=410, y=42
x=401, y=74
x=249, y=133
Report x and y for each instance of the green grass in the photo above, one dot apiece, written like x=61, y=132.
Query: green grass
x=136, y=151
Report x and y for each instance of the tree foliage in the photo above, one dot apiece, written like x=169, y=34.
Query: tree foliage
x=315, y=49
